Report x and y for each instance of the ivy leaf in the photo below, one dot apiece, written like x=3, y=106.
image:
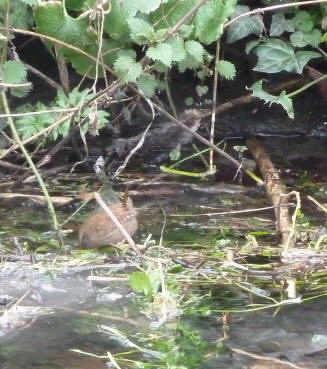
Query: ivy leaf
x=51, y=20
x=140, y=282
x=244, y=26
x=275, y=56
x=14, y=71
x=303, y=21
x=210, y=18
x=301, y=39
x=141, y=31
x=279, y=25
x=195, y=49
x=147, y=84
x=178, y=50
x=162, y=52
x=127, y=69
x=226, y=69
x=282, y=99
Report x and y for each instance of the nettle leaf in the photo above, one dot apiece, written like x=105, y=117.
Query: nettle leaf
x=21, y=92
x=195, y=49
x=282, y=99
x=171, y=12
x=52, y=20
x=275, y=56
x=185, y=30
x=210, y=18
x=115, y=23
x=160, y=67
x=147, y=84
x=226, y=69
x=244, y=26
x=189, y=62
x=201, y=90
x=162, y=52
x=14, y=71
x=301, y=39
x=141, y=31
x=279, y=25
x=127, y=68
x=178, y=50
x=303, y=21
x=158, y=35
x=147, y=6
x=20, y=15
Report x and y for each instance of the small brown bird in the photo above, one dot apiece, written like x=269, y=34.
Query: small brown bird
x=98, y=229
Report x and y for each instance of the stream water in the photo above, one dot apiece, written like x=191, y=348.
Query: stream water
x=69, y=313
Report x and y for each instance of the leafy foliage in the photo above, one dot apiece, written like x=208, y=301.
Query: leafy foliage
x=226, y=69
x=32, y=124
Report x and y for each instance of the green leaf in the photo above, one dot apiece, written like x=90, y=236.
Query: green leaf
x=210, y=18
x=20, y=15
x=201, y=90
x=141, y=31
x=171, y=12
x=147, y=84
x=158, y=35
x=21, y=92
x=127, y=69
x=189, y=101
x=195, y=49
x=115, y=23
x=226, y=69
x=185, y=30
x=279, y=25
x=30, y=2
x=189, y=62
x=175, y=153
x=301, y=39
x=244, y=26
x=147, y=6
x=162, y=52
x=282, y=99
x=303, y=21
x=79, y=4
x=275, y=56
x=140, y=282
x=51, y=20
x=160, y=67
x=13, y=71
x=178, y=50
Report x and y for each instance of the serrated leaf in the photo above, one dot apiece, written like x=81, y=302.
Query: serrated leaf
x=185, y=30
x=189, y=101
x=303, y=21
x=20, y=15
x=201, y=90
x=127, y=69
x=279, y=25
x=13, y=71
x=162, y=52
x=282, y=99
x=195, y=49
x=226, y=69
x=275, y=56
x=158, y=35
x=141, y=31
x=51, y=20
x=189, y=62
x=147, y=84
x=210, y=18
x=178, y=50
x=115, y=23
x=244, y=26
x=147, y=6
x=301, y=39
x=21, y=92
x=160, y=67
x=140, y=282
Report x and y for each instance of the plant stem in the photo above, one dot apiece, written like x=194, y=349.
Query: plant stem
x=30, y=162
